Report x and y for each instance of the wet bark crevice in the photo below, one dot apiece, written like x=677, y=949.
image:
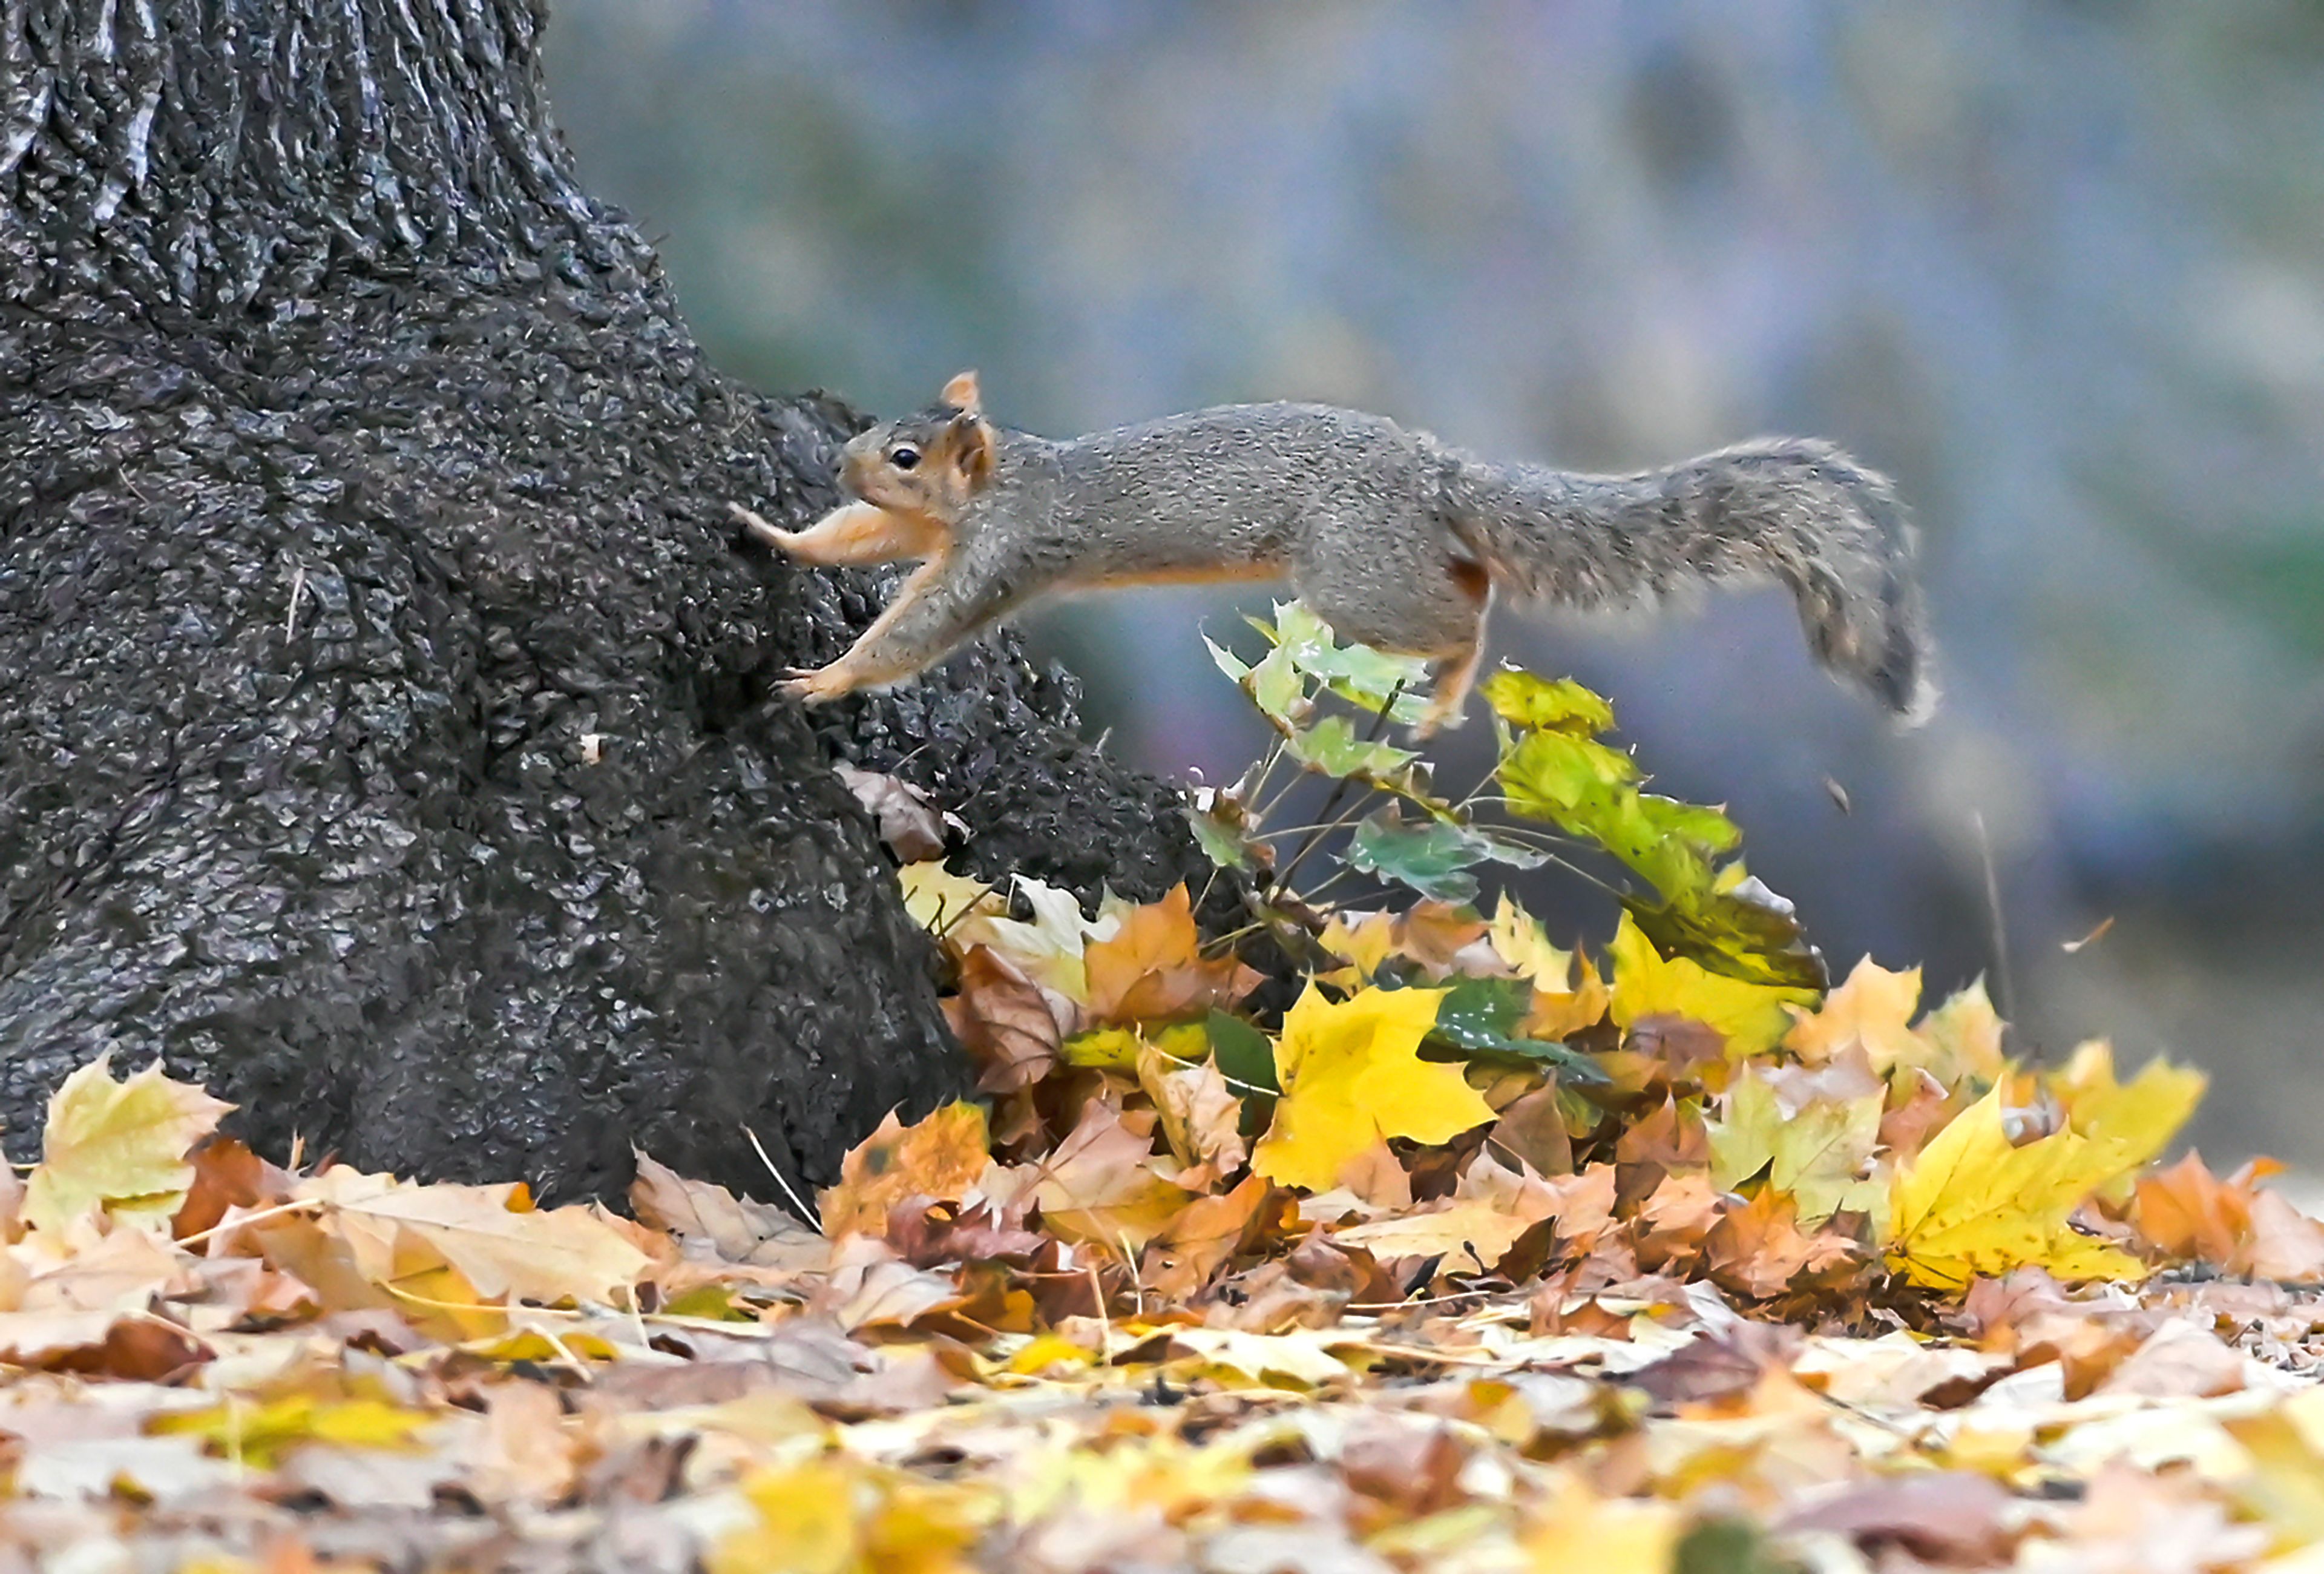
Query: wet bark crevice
x=387, y=729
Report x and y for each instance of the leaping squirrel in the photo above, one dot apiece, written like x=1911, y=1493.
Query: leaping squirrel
x=1393, y=538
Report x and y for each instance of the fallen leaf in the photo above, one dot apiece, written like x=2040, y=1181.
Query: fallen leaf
x=1004, y=1022
x=1872, y=1010
x=1202, y=1118
x=733, y=1229
x=2130, y=1121
x=938, y=900
x=908, y=822
x=1153, y=968
x=119, y=1145
x=1351, y=1074
x=260, y=1434
x=1203, y=1237
x=939, y=1156
x=1099, y=1183
x=556, y=1255
x=1971, y=1203
x=1962, y=1039
x=1749, y=1017
x=1471, y=1234
x=1821, y=1153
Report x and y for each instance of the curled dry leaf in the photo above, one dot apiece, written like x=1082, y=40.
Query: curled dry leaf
x=909, y=823
x=1003, y=1021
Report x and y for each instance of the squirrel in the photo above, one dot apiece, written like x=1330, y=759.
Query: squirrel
x=1394, y=539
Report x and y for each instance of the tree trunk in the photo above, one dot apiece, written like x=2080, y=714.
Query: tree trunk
x=385, y=729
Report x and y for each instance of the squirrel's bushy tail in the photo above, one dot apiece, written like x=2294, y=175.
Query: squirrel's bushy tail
x=1797, y=510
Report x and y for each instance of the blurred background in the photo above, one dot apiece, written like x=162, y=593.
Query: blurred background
x=2059, y=267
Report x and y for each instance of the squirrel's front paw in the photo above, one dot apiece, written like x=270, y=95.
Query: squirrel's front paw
x=774, y=536
x=818, y=685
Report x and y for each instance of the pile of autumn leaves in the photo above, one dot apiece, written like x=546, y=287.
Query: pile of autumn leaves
x=1816, y=1158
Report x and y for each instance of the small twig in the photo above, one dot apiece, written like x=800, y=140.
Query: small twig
x=1993, y=908
x=298, y=590
x=806, y=1211
x=580, y=1367
x=1232, y=935
x=1130, y=1261
x=1339, y=791
x=1104, y=1323
x=1213, y=1064
x=1416, y=1301
x=1266, y=764
x=296, y=1205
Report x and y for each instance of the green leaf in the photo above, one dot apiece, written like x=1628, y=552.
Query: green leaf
x=1246, y=1058
x=1556, y=705
x=1220, y=834
x=1430, y=856
x=1332, y=747
x=1746, y=932
x=1480, y=1017
x=1571, y=780
x=1275, y=684
x=1357, y=674
x=1478, y=1013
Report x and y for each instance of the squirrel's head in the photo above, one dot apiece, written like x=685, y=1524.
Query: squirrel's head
x=928, y=463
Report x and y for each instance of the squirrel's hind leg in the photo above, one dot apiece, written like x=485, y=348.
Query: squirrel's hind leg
x=1456, y=674
x=1437, y=611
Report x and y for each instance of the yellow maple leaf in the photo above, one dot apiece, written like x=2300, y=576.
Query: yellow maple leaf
x=1961, y=1038
x=1750, y=1016
x=1351, y=1075
x=121, y=1144
x=1817, y=1153
x=1873, y=1008
x=1568, y=995
x=2135, y=1120
x=1365, y=946
x=1520, y=942
x=1971, y=1203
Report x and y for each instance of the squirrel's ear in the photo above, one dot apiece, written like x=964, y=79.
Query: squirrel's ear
x=960, y=393
x=970, y=441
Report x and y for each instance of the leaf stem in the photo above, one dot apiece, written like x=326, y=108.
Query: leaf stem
x=1340, y=791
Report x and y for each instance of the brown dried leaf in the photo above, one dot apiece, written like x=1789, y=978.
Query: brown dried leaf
x=1099, y=1185
x=1003, y=1021
x=734, y=1229
x=908, y=822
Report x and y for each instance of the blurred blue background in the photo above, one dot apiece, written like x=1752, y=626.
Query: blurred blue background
x=2059, y=267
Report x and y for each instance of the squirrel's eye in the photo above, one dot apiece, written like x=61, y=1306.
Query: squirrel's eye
x=904, y=458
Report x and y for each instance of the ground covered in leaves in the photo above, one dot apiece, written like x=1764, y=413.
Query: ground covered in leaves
x=1470, y=1252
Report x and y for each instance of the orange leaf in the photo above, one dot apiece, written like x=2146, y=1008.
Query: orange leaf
x=1152, y=968
x=940, y=1157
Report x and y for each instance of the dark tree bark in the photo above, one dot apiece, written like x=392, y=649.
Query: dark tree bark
x=358, y=483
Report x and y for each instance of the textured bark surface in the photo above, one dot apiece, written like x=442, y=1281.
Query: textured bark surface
x=358, y=485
